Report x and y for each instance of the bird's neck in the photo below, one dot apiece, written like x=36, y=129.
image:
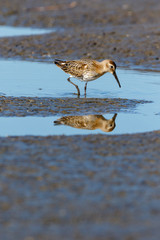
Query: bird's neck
x=100, y=67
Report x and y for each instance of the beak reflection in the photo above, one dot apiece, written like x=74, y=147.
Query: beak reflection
x=115, y=75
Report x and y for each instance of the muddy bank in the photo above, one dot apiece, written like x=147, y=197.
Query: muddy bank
x=125, y=32
x=27, y=106
x=92, y=187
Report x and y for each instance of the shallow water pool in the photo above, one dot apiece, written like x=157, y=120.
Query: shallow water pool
x=44, y=126
x=10, y=31
x=20, y=78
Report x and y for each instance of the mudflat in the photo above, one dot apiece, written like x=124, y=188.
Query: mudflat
x=127, y=32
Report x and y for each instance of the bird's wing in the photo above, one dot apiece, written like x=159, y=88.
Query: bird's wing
x=75, y=68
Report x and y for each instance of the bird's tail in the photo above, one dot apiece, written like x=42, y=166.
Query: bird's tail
x=59, y=62
x=60, y=121
x=57, y=122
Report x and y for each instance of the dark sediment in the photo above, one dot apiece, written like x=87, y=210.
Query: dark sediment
x=27, y=106
x=92, y=187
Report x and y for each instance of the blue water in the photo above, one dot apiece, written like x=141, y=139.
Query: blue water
x=43, y=126
x=9, y=31
x=20, y=78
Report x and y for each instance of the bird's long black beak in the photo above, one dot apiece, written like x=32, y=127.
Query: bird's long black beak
x=114, y=117
x=115, y=75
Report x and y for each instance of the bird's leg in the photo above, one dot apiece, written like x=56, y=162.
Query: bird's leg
x=85, y=88
x=74, y=85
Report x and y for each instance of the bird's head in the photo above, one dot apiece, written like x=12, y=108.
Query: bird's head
x=110, y=66
x=109, y=125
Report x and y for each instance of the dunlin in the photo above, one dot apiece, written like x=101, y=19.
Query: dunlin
x=90, y=122
x=87, y=70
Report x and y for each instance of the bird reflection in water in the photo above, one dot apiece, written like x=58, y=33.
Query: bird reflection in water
x=89, y=122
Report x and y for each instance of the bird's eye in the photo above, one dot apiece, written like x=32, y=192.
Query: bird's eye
x=111, y=66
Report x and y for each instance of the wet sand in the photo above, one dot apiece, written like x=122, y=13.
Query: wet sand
x=36, y=106
x=80, y=187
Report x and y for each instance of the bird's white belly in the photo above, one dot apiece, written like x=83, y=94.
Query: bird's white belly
x=90, y=77
x=86, y=77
